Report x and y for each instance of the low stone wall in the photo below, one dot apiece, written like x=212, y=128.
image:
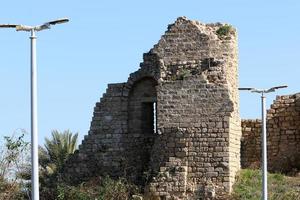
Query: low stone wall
x=283, y=128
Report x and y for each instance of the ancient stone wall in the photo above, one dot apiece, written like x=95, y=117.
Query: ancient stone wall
x=174, y=126
x=194, y=139
x=198, y=112
x=113, y=146
x=102, y=153
x=283, y=128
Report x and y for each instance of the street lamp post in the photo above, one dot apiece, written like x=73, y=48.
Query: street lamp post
x=33, y=78
x=264, y=135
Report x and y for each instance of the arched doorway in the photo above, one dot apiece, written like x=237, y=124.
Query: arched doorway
x=141, y=126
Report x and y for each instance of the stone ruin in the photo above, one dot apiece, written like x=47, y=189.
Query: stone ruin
x=174, y=127
x=283, y=139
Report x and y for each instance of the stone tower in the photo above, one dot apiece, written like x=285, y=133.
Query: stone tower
x=174, y=126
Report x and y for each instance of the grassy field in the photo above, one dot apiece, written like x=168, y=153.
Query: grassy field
x=280, y=187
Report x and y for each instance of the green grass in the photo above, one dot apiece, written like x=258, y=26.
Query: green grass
x=248, y=186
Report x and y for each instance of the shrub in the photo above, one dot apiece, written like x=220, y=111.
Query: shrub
x=248, y=186
x=224, y=31
x=65, y=192
x=97, y=188
x=13, y=159
x=116, y=189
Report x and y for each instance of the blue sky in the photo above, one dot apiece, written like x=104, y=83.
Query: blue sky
x=105, y=41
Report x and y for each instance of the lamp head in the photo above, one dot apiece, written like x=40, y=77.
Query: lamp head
x=272, y=89
x=8, y=25
x=246, y=89
x=44, y=26
x=59, y=21
x=48, y=25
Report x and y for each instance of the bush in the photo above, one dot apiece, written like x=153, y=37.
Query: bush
x=248, y=186
x=10, y=190
x=116, y=190
x=13, y=159
x=65, y=192
x=224, y=31
x=98, y=188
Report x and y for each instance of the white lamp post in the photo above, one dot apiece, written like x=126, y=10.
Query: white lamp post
x=34, y=127
x=264, y=135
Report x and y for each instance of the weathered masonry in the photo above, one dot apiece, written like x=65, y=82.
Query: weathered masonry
x=174, y=126
x=283, y=127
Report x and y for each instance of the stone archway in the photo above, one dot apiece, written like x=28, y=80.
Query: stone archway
x=141, y=127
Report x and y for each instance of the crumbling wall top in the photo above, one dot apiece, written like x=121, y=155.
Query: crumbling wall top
x=192, y=48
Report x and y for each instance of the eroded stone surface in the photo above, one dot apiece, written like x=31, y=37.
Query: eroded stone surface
x=283, y=128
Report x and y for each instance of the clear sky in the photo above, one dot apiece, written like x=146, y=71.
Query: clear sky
x=105, y=41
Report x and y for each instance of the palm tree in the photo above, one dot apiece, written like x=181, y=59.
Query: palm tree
x=57, y=150
x=51, y=160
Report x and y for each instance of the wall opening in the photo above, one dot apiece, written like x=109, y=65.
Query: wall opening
x=149, y=123
x=141, y=127
x=155, y=117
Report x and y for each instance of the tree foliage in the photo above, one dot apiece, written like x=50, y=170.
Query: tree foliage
x=52, y=158
x=57, y=150
x=14, y=158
